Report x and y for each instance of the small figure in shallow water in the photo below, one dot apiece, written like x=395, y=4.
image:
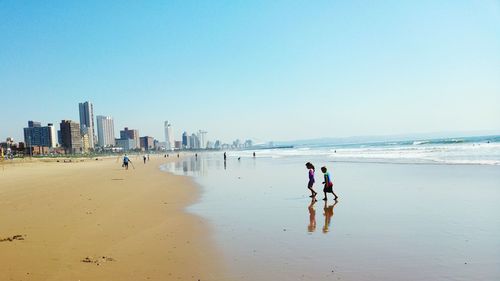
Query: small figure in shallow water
x=311, y=179
x=328, y=184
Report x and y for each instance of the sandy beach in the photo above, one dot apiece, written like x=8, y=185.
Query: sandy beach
x=93, y=220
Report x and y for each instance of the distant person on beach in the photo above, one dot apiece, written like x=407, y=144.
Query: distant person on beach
x=144, y=158
x=328, y=184
x=126, y=160
x=225, y=156
x=148, y=157
x=311, y=179
x=254, y=155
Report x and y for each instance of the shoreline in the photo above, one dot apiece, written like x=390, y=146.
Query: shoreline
x=93, y=220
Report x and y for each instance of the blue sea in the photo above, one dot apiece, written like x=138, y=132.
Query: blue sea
x=482, y=150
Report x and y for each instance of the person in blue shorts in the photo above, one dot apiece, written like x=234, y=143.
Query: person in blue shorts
x=126, y=160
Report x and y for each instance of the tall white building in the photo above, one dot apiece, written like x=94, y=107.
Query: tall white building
x=53, y=135
x=169, y=136
x=87, y=121
x=105, y=131
x=202, y=137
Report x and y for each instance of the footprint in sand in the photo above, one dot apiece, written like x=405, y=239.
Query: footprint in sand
x=12, y=238
x=98, y=261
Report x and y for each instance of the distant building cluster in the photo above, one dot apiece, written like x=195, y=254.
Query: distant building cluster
x=71, y=137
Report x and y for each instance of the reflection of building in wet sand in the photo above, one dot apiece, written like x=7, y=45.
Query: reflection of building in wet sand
x=193, y=166
x=188, y=166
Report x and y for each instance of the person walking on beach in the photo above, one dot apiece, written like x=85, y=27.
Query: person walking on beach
x=144, y=158
x=328, y=184
x=126, y=160
x=311, y=179
x=225, y=156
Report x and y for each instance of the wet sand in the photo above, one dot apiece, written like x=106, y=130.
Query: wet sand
x=93, y=221
x=392, y=222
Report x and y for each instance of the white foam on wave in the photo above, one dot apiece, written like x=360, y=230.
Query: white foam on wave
x=452, y=153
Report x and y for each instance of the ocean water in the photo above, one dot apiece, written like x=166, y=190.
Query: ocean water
x=398, y=218
x=483, y=150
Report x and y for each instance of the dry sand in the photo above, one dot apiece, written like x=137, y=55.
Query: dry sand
x=93, y=220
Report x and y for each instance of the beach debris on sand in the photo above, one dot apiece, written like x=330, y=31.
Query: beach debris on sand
x=98, y=260
x=12, y=238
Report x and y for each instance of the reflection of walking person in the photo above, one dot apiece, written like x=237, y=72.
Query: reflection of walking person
x=126, y=160
x=328, y=184
x=312, y=216
x=328, y=216
x=311, y=179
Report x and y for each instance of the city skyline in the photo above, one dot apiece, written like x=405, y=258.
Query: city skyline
x=261, y=70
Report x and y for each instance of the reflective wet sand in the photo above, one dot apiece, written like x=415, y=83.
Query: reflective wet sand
x=392, y=222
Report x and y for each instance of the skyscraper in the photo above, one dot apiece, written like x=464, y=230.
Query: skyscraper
x=105, y=131
x=87, y=121
x=202, y=137
x=169, y=136
x=71, y=138
x=53, y=135
x=185, y=140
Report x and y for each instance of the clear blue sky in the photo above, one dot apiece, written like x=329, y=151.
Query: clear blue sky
x=270, y=70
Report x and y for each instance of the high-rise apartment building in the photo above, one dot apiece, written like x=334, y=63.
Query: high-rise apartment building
x=169, y=136
x=53, y=135
x=87, y=121
x=130, y=134
x=202, y=137
x=36, y=135
x=185, y=140
x=147, y=143
x=194, y=141
x=105, y=131
x=71, y=139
